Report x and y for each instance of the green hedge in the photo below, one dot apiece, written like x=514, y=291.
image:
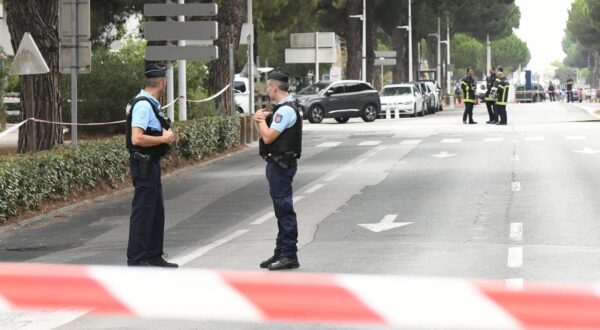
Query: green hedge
x=26, y=181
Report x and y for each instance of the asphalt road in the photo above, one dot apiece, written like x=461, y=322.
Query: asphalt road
x=512, y=203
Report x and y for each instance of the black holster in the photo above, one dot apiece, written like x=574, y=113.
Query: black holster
x=144, y=161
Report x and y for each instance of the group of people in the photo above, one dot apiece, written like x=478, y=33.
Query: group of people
x=496, y=96
x=148, y=136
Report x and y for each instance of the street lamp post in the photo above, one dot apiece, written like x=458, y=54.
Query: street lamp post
x=363, y=18
x=409, y=30
x=382, y=59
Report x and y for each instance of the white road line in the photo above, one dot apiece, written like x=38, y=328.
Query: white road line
x=514, y=284
x=380, y=148
x=574, y=137
x=207, y=248
x=332, y=177
x=411, y=141
x=38, y=320
x=314, y=188
x=451, y=140
x=516, y=158
x=372, y=154
x=329, y=144
x=515, y=257
x=495, y=139
x=370, y=143
x=263, y=218
x=516, y=231
x=297, y=199
x=360, y=161
x=515, y=186
x=534, y=138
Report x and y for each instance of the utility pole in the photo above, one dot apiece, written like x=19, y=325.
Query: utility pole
x=182, y=79
x=408, y=29
x=439, y=54
x=170, y=83
x=488, y=45
x=250, y=59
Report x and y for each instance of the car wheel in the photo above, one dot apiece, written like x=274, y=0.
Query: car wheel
x=240, y=110
x=369, y=113
x=342, y=120
x=315, y=114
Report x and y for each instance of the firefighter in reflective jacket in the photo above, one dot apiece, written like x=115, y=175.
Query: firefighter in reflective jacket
x=467, y=86
x=490, y=95
x=502, y=98
x=281, y=146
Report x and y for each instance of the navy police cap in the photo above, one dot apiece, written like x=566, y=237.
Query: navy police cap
x=154, y=70
x=278, y=75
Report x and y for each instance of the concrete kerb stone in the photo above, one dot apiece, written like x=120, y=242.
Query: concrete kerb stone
x=591, y=108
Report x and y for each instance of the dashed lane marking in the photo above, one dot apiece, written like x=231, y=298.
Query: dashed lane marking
x=515, y=257
x=263, y=218
x=297, y=199
x=575, y=137
x=207, y=248
x=314, y=188
x=494, y=139
x=332, y=177
x=370, y=143
x=329, y=144
x=516, y=186
x=516, y=231
x=514, y=283
x=534, y=138
x=451, y=140
x=411, y=141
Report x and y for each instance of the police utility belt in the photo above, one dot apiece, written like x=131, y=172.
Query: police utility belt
x=284, y=160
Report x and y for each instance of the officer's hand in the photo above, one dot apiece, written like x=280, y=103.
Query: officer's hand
x=168, y=136
x=259, y=115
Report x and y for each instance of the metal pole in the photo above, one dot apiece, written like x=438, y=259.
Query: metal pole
x=250, y=59
x=74, y=65
x=364, y=41
x=182, y=79
x=31, y=114
x=170, y=84
x=381, y=76
x=448, y=54
x=439, y=54
x=410, y=54
x=489, y=54
x=316, y=56
x=231, y=78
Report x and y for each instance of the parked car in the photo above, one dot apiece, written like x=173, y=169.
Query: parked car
x=404, y=98
x=341, y=100
x=241, y=96
x=436, y=93
x=425, y=93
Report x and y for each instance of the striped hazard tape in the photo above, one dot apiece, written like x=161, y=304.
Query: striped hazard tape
x=404, y=302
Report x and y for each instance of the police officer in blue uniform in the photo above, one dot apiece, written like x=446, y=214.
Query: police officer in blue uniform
x=148, y=136
x=281, y=146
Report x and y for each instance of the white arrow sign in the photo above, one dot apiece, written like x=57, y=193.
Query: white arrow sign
x=385, y=224
x=587, y=150
x=443, y=154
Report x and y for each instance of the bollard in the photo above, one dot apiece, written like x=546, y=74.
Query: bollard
x=255, y=132
x=388, y=113
x=249, y=129
x=398, y=113
x=242, y=129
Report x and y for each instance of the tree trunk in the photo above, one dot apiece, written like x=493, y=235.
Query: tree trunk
x=353, y=39
x=231, y=17
x=40, y=18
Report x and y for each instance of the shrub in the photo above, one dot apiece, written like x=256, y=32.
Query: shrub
x=28, y=180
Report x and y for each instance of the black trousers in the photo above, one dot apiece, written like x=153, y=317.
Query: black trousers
x=501, y=109
x=280, y=186
x=569, y=96
x=490, y=109
x=468, y=112
x=147, y=222
x=552, y=97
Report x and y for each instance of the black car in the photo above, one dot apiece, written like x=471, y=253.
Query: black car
x=342, y=100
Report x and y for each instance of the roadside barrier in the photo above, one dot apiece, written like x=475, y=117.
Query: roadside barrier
x=16, y=126
x=358, y=300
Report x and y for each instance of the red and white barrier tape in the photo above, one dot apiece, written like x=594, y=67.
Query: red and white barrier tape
x=404, y=302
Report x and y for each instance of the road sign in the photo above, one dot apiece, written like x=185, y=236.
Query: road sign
x=29, y=59
x=385, y=61
x=307, y=40
x=83, y=19
x=84, y=57
x=385, y=53
x=172, y=53
x=187, y=9
x=181, y=31
x=307, y=55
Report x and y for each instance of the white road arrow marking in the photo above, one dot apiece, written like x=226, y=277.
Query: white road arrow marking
x=443, y=154
x=587, y=150
x=385, y=224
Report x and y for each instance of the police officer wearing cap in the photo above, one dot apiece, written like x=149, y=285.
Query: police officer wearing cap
x=148, y=136
x=281, y=146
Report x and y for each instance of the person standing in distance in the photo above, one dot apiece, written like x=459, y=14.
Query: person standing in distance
x=490, y=95
x=467, y=86
x=502, y=98
x=569, y=89
x=281, y=146
x=148, y=136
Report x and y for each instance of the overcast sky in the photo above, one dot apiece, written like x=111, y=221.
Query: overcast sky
x=542, y=27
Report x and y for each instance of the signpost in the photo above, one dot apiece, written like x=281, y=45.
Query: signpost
x=74, y=34
x=181, y=31
x=312, y=47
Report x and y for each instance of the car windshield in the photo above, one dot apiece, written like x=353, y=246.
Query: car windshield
x=313, y=89
x=396, y=91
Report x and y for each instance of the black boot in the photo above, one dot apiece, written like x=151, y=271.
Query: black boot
x=285, y=263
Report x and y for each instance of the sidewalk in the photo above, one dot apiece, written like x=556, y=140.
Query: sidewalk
x=592, y=108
